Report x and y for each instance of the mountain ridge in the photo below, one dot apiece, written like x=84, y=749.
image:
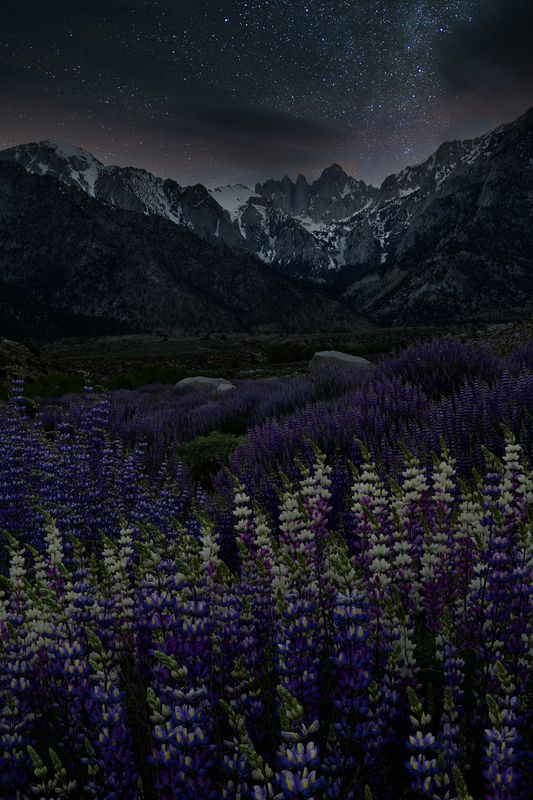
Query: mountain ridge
x=65, y=250
x=337, y=230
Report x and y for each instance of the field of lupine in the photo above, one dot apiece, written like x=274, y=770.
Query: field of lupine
x=315, y=587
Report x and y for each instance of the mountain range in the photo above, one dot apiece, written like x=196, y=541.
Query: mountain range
x=450, y=239
x=73, y=258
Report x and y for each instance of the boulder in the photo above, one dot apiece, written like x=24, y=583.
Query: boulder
x=334, y=358
x=218, y=385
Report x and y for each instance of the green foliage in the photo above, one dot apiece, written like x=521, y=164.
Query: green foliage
x=286, y=351
x=460, y=783
x=377, y=347
x=205, y=454
x=56, y=384
x=144, y=376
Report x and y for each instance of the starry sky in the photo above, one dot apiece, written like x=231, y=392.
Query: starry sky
x=221, y=91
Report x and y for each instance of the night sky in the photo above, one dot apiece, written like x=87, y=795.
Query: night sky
x=222, y=91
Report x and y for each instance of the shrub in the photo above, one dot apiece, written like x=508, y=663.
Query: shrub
x=144, y=376
x=287, y=352
x=206, y=454
x=56, y=384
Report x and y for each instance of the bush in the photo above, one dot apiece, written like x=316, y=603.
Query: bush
x=56, y=384
x=287, y=352
x=145, y=376
x=206, y=454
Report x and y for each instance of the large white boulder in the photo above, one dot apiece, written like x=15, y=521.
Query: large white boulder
x=334, y=358
x=218, y=385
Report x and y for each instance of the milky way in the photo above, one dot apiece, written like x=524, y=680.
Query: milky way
x=221, y=91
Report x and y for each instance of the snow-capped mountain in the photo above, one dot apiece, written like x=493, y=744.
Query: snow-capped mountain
x=460, y=244
x=355, y=224
x=129, y=188
x=72, y=264
x=389, y=251
x=271, y=233
x=334, y=196
x=233, y=198
x=307, y=230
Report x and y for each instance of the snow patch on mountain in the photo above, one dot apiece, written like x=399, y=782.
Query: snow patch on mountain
x=308, y=230
x=60, y=159
x=232, y=198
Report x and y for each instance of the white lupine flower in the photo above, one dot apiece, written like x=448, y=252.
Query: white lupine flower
x=281, y=579
x=290, y=516
x=241, y=498
x=210, y=550
x=478, y=580
x=369, y=486
x=403, y=560
x=468, y=527
x=300, y=513
x=443, y=480
x=512, y=457
x=17, y=570
x=263, y=534
x=54, y=545
x=3, y=606
x=405, y=650
x=380, y=567
x=434, y=553
x=280, y=573
x=414, y=485
x=116, y=561
x=527, y=641
x=294, y=533
x=379, y=548
x=39, y=570
x=242, y=511
x=317, y=483
x=378, y=555
x=525, y=486
x=40, y=621
x=514, y=476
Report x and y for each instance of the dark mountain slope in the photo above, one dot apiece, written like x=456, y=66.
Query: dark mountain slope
x=467, y=250
x=23, y=316
x=79, y=255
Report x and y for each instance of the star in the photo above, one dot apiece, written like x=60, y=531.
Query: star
x=250, y=90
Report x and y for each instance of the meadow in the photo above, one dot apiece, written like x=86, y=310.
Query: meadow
x=315, y=586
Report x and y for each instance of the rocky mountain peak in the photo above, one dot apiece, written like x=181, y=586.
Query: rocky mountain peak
x=71, y=165
x=335, y=171
x=129, y=188
x=66, y=150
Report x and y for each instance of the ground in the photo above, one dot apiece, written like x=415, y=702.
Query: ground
x=131, y=361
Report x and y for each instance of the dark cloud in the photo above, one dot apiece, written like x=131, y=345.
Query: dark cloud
x=264, y=137
x=491, y=60
x=260, y=123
